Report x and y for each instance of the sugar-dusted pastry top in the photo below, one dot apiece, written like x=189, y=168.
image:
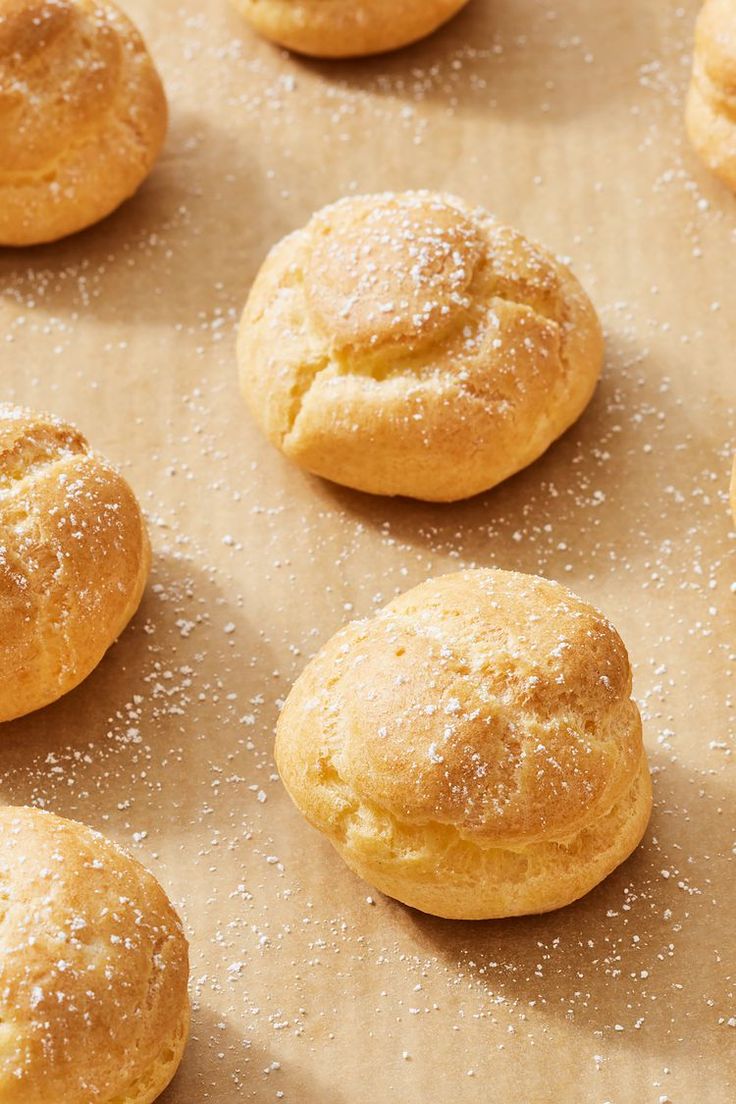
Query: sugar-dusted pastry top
x=93, y=968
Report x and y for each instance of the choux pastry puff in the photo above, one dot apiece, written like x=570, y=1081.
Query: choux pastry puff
x=93, y=968
x=74, y=559
x=472, y=750
x=412, y=345
x=82, y=116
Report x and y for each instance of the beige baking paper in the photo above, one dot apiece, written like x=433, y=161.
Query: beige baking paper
x=565, y=118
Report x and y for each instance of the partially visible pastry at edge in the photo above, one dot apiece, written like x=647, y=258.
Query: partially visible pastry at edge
x=409, y=344
x=472, y=750
x=74, y=559
x=82, y=116
x=94, y=968
x=711, y=102
x=733, y=489
x=334, y=28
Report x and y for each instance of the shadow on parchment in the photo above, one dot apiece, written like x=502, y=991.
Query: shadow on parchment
x=621, y=486
x=487, y=60
x=645, y=956
x=151, y=262
x=157, y=700
x=222, y=1064
x=643, y=959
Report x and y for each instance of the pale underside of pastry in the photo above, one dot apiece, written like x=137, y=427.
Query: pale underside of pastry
x=335, y=29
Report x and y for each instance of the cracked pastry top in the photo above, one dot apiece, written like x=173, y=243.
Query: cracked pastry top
x=82, y=116
x=473, y=750
x=334, y=29
x=74, y=559
x=411, y=345
x=711, y=102
x=93, y=968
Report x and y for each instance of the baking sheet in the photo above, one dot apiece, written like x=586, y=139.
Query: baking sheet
x=565, y=118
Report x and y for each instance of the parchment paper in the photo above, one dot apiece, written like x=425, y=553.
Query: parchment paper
x=565, y=118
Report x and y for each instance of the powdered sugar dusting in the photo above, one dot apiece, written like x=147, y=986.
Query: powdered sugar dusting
x=129, y=332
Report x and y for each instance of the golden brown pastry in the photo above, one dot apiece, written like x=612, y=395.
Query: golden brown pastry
x=334, y=28
x=82, y=116
x=74, y=559
x=711, y=102
x=733, y=489
x=473, y=750
x=93, y=968
x=412, y=345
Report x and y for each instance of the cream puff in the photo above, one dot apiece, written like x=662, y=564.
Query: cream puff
x=82, y=116
x=74, y=559
x=473, y=750
x=412, y=345
x=93, y=968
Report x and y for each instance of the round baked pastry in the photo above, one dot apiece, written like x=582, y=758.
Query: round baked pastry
x=411, y=345
x=74, y=559
x=473, y=750
x=334, y=28
x=93, y=968
x=82, y=116
x=711, y=102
